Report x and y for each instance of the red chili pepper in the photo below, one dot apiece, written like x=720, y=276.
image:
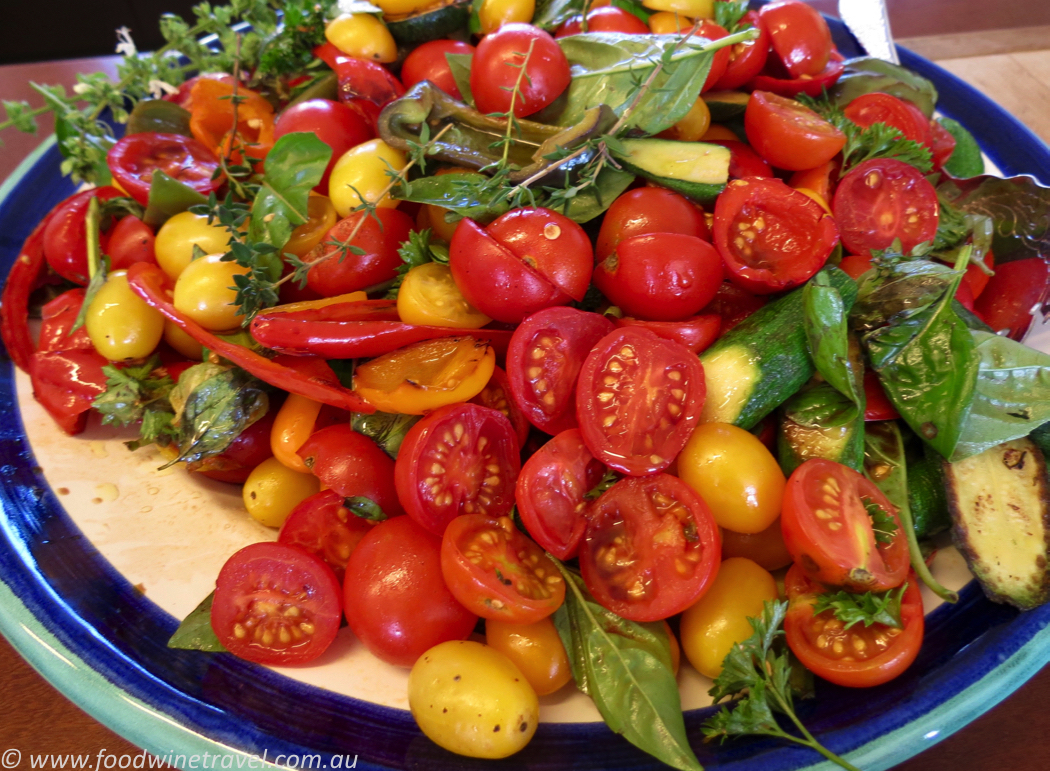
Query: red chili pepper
x=354, y=330
x=305, y=377
x=58, y=316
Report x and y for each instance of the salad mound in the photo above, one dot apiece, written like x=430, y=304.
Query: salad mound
x=623, y=337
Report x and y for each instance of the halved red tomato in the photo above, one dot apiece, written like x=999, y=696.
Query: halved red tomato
x=876, y=107
x=788, y=86
x=651, y=548
x=496, y=395
x=551, y=489
x=495, y=571
x=830, y=528
x=638, y=399
x=134, y=158
x=460, y=459
x=323, y=526
x=746, y=59
x=860, y=656
x=695, y=333
x=788, y=134
x=275, y=604
x=543, y=363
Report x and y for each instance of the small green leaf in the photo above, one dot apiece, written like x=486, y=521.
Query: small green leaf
x=365, y=508
x=966, y=159
x=168, y=197
x=867, y=608
x=195, y=632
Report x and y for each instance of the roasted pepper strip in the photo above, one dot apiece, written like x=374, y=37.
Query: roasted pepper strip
x=354, y=330
x=305, y=378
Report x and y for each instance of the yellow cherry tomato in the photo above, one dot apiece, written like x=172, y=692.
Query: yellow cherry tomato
x=696, y=9
x=205, y=291
x=363, y=36
x=665, y=23
x=719, y=619
x=322, y=216
x=402, y=7
x=693, y=126
x=535, y=649
x=429, y=296
x=177, y=237
x=122, y=327
x=719, y=133
x=291, y=428
x=177, y=338
x=423, y=376
x=735, y=474
x=495, y=13
x=472, y=700
x=272, y=490
x=362, y=171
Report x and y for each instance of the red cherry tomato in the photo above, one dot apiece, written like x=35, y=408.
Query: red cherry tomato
x=130, y=240
x=428, y=62
x=551, y=244
x=649, y=210
x=65, y=243
x=977, y=278
x=788, y=134
x=695, y=333
x=855, y=265
x=248, y=450
x=799, y=35
x=733, y=305
x=660, y=276
x=275, y=604
x=876, y=107
x=459, y=459
x=877, y=405
x=964, y=294
x=811, y=86
x=858, y=657
x=743, y=161
x=943, y=144
x=380, y=241
x=830, y=533
x=651, y=548
x=365, y=86
x=335, y=124
x=133, y=159
x=543, y=363
x=884, y=199
x=608, y=18
x=551, y=489
x=353, y=465
x=1010, y=295
x=324, y=527
x=396, y=601
x=746, y=59
x=498, y=573
x=771, y=237
x=496, y=396
x=497, y=66
x=638, y=399
x=720, y=61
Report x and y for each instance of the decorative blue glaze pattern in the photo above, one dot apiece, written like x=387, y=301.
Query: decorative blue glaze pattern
x=96, y=616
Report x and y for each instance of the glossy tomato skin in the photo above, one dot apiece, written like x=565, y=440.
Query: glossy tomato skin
x=428, y=62
x=788, y=134
x=248, y=450
x=651, y=548
x=380, y=241
x=661, y=276
x=396, y=601
x=551, y=489
x=743, y=161
x=65, y=245
x=133, y=159
x=786, y=238
x=746, y=59
x=459, y=459
x=495, y=571
x=811, y=86
x=551, y=244
x=884, y=199
x=876, y=107
x=638, y=399
x=877, y=405
x=649, y=210
x=130, y=240
x=352, y=465
x=365, y=86
x=1010, y=295
x=829, y=532
x=799, y=35
x=335, y=124
x=733, y=304
x=544, y=359
x=720, y=61
x=858, y=657
x=497, y=65
x=302, y=587
x=943, y=144
x=494, y=280
x=496, y=396
x=695, y=333
x=607, y=18
x=324, y=527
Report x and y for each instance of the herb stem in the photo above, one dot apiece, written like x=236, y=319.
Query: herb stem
x=514, y=94
x=808, y=739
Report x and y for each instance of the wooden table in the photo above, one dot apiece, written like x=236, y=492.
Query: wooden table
x=1011, y=63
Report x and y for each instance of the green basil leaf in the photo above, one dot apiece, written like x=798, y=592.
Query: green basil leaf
x=905, y=287
x=365, y=508
x=294, y=167
x=1012, y=395
x=195, y=632
x=625, y=667
x=551, y=14
x=824, y=318
x=387, y=429
x=595, y=199
x=966, y=159
x=460, y=66
x=168, y=197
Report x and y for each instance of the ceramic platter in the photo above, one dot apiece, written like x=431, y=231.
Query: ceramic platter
x=100, y=554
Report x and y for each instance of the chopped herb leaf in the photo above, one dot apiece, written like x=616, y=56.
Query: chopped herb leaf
x=868, y=608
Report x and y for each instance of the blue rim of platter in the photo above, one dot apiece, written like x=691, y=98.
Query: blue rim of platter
x=102, y=643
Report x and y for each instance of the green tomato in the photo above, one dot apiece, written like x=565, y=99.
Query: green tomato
x=470, y=699
x=122, y=327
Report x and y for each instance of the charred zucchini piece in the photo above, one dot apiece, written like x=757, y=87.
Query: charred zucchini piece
x=431, y=23
x=1000, y=509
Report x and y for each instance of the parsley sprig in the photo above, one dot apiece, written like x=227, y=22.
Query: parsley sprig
x=138, y=393
x=883, y=525
x=867, y=608
x=728, y=14
x=418, y=250
x=761, y=669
